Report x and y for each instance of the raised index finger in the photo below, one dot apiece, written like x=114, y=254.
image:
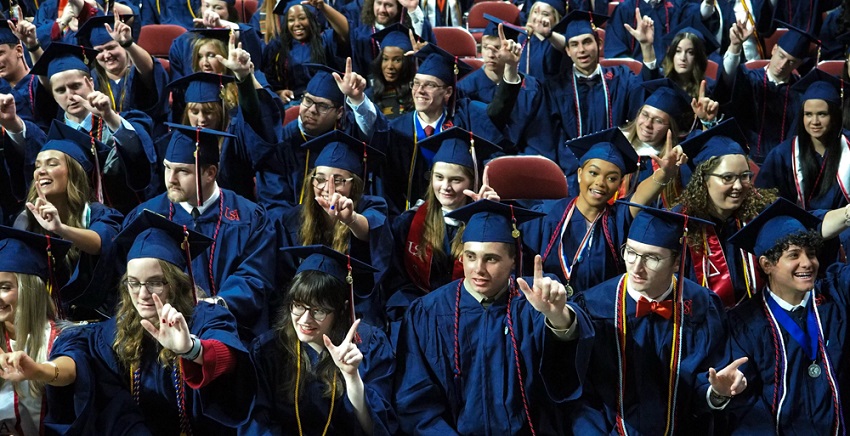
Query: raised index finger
x=352, y=331
x=538, y=268
x=738, y=362
x=702, y=89
x=502, y=33
x=158, y=303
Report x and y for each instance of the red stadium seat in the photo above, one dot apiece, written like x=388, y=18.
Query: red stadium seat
x=611, y=7
x=156, y=39
x=633, y=65
x=291, y=114
x=457, y=41
x=526, y=177
x=475, y=63
x=711, y=70
x=166, y=65
x=246, y=9
x=756, y=64
x=834, y=68
x=476, y=22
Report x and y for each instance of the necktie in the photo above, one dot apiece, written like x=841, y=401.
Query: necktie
x=195, y=213
x=429, y=130
x=662, y=308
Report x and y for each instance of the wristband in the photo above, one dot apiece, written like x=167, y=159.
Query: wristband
x=34, y=48
x=353, y=219
x=127, y=44
x=193, y=352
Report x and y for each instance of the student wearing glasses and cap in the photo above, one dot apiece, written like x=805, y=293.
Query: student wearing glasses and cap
x=321, y=371
x=491, y=353
x=165, y=362
x=124, y=165
x=427, y=243
x=28, y=321
x=338, y=213
x=762, y=99
x=580, y=236
x=61, y=203
x=793, y=332
x=658, y=338
x=236, y=270
x=587, y=97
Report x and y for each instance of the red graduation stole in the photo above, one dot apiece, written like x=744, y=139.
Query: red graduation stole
x=712, y=271
x=419, y=268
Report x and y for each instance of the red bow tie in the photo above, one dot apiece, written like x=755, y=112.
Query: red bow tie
x=662, y=308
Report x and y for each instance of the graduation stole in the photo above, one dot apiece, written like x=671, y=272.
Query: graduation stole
x=843, y=175
x=712, y=269
x=512, y=292
x=578, y=103
x=620, y=323
x=781, y=366
x=53, y=333
x=179, y=390
x=212, y=289
x=419, y=268
x=561, y=230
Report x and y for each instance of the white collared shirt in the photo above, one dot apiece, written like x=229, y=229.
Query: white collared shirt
x=203, y=208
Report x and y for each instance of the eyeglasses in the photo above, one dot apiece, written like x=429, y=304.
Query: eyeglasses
x=650, y=260
x=428, y=86
x=153, y=286
x=658, y=121
x=317, y=314
x=322, y=108
x=321, y=181
x=730, y=178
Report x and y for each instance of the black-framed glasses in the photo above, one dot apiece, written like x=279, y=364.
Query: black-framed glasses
x=651, y=261
x=153, y=286
x=317, y=313
x=322, y=108
x=428, y=86
x=730, y=178
x=321, y=181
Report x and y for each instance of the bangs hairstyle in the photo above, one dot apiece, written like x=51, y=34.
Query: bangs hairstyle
x=314, y=289
x=689, y=82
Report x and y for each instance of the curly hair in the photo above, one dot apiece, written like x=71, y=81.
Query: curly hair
x=314, y=289
x=130, y=338
x=696, y=201
x=804, y=239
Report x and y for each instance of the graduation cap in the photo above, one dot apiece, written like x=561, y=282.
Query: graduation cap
x=441, y=64
x=723, y=139
x=665, y=95
x=61, y=57
x=323, y=84
x=93, y=33
x=778, y=221
x=511, y=30
x=820, y=85
x=25, y=252
x=796, y=41
x=151, y=235
x=74, y=143
x=395, y=35
x=559, y=6
x=579, y=23
x=491, y=221
x=340, y=150
x=282, y=8
x=609, y=145
x=219, y=33
x=6, y=35
x=200, y=87
x=460, y=147
x=327, y=260
x=695, y=28
x=661, y=228
x=194, y=146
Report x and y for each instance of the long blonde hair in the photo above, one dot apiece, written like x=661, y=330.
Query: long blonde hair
x=271, y=26
x=130, y=337
x=314, y=220
x=34, y=311
x=230, y=94
x=435, y=229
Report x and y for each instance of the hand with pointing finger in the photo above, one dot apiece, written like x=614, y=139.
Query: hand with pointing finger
x=346, y=355
x=485, y=193
x=729, y=381
x=171, y=331
x=704, y=108
x=645, y=32
x=352, y=85
x=120, y=31
x=338, y=207
x=547, y=296
x=673, y=158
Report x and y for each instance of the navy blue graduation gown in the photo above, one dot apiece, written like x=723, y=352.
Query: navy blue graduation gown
x=369, y=298
x=597, y=263
x=170, y=12
x=33, y=102
x=624, y=98
x=831, y=47
x=291, y=73
x=180, y=53
x=364, y=49
x=274, y=412
x=765, y=111
x=523, y=130
x=132, y=93
x=804, y=15
x=649, y=339
x=539, y=59
x=101, y=394
x=666, y=15
x=808, y=405
x=244, y=257
x=485, y=398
